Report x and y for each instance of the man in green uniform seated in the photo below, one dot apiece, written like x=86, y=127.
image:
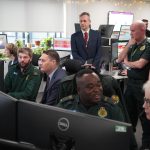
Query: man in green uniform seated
x=90, y=98
x=23, y=79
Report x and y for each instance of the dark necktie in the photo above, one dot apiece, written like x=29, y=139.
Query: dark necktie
x=43, y=101
x=47, y=82
x=86, y=37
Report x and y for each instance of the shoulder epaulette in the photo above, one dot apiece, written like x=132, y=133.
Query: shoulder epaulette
x=108, y=100
x=36, y=71
x=67, y=98
x=68, y=78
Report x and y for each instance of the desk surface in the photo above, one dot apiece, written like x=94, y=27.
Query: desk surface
x=113, y=73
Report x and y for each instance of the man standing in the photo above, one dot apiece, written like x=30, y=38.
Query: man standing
x=23, y=79
x=49, y=64
x=147, y=31
x=85, y=44
x=136, y=56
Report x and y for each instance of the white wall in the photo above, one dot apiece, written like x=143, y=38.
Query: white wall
x=99, y=10
x=48, y=15
x=31, y=15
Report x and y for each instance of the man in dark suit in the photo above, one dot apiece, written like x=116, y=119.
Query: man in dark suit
x=49, y=64
x=147, y=31
x=85, y=44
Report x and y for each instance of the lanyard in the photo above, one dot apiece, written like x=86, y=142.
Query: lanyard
x=133, y=53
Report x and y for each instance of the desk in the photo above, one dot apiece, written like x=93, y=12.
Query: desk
x=122, y=80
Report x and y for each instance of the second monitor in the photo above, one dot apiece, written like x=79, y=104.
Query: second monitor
x=50, y=127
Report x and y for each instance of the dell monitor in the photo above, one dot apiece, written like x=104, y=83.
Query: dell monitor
x=48, y=127
x=106, y=30
x=7, y=116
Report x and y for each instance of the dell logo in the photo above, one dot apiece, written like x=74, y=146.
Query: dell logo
x=63, y=124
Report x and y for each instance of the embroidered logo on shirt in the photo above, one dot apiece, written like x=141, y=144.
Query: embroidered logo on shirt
x=102, y=112
x=142, y=48
x=15, y=73
x=115, y=99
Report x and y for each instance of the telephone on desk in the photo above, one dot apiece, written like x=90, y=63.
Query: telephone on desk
x=122, y=67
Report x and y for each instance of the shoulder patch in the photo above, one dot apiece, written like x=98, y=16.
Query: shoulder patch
x=115, y=99
x=102, y=112
x=106, y=98
x=142, y=48
x=67, y=98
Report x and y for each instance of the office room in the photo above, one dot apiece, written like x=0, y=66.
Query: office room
x=30, y=24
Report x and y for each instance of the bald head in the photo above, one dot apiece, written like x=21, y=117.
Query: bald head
x=138, y=29
x=139, y=24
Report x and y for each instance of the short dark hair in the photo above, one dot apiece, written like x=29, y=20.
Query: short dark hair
x=53, y=54
x=86, y=71
x=24, y=50
x=84, y=13
x=144, y=20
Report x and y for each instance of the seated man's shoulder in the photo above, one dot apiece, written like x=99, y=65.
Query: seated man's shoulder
x=113, y=100
x=68, y=78
x=66, y=101
x=36, y=71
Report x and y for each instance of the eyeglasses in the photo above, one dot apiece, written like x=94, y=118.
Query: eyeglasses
x=147, y=101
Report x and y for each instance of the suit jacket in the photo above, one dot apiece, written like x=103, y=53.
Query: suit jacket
x=90, y=53
x=51, y=92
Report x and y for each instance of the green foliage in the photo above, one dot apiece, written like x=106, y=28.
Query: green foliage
x=47, y=43
x=19, y=43
x=3, y=57
x=38, y=50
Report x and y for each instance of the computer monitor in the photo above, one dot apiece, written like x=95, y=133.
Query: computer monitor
x=117, y=48
x=77, y=27
x=105, y=56
x=120, y=18
x=124, y=34
x=1, y=75
x=106, y=30
x=3, y=41
x=44, y=126
x=7, y=116
x=62, y=44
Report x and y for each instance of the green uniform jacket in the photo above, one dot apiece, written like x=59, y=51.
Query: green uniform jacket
x=103, y=109
x=23, y=85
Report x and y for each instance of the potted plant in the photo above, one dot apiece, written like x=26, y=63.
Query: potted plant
x=47, y=43
x=36, y=55
x=19, y=43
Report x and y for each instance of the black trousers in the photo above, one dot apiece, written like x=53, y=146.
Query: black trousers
x=134, y=101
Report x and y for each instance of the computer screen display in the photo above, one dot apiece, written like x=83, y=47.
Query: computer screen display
x=106, y=30
x=124, y=34
x=117, y=48
x=3, y=41
x=49, y=126
x=115, y=35
x=77, y=27
x=62, y=44
x=119, y=18
x=121, y=46
x=8, y=115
